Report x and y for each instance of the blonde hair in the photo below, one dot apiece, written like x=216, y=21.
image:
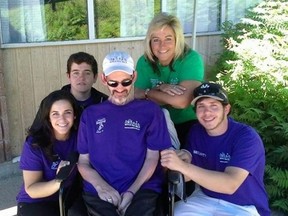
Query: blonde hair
x=160, y=21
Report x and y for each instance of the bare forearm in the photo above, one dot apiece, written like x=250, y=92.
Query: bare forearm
x=226, y=182
x=178, y=96
x=43, y=189
x=220, y=182
x=163, y=98
x=176, y=101
x=140, y=94
x=90, y=175
x=145, y=174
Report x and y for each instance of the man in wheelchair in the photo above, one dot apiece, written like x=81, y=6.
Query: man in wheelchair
x=119, y=142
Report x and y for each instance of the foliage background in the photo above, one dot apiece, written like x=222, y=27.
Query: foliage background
x=254, y=70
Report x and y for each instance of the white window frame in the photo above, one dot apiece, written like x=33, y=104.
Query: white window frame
x=91, y=29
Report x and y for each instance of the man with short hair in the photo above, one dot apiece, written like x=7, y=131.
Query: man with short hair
x=228, y=161
x=82, y=71
x=119, y=142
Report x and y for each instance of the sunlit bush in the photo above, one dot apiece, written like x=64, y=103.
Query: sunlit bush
x=254, y=70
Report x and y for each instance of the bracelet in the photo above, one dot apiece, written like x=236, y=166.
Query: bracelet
x=159, y=84
x=128, y=191
x=146, y=93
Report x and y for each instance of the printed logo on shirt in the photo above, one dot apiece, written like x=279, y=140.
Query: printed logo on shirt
x=54, y=165
x=154, y=82
x=224, y=158
x=100, y=125
x=134, y=125
x=174, y=81
x=199, y=153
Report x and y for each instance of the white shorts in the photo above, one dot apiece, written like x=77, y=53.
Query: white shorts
x=202, y=205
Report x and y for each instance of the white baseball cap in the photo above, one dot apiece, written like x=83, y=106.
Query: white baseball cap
x=118, y=61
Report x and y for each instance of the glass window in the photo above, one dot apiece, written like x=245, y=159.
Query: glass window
x=22, y=22
x=135, y=16
x=183, y=9
x=107, y=15
x=66, y=19
x=123, y=18
x=27, y=21
x=207, y=14
x=236, y=8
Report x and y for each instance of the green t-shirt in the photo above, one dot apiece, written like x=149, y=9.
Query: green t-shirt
x=190, y=67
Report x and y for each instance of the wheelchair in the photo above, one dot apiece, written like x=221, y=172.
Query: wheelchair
x=175, y=183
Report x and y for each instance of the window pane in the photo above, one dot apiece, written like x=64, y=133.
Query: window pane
x=135, y=17
x=123, y=18
x=66, y=20
x=25, y=21
x=208, y=14
x=183, y=9
x=107, y=13
x=22, y=21
x=236, y=8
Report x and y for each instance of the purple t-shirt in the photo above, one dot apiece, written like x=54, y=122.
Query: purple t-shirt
x=34, y=159
x=117, y=138
x=240, y=146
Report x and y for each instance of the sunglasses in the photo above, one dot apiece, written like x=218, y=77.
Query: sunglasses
x=124, y=83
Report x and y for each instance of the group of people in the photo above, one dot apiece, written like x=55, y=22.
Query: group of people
x=125, y=143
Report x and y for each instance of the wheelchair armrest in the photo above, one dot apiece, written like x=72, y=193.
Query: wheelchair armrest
x=64, y=172
x=176, y=184
x=174, y=177
x=62, y=175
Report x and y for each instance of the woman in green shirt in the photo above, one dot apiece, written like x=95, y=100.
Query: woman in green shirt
x=169, y=71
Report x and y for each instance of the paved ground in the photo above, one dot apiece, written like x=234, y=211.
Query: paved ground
x=10, y=181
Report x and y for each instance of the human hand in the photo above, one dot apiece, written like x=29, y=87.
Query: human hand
x=125, y=202
x=170, y=159
x=109, y=194
x=172, y=89
x=62, y=164
x=184, y=155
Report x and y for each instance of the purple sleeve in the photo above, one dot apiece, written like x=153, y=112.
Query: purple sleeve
x=31, y=158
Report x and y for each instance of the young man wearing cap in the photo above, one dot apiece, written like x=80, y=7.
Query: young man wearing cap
x=119, y=142
x=82, y=71
x=228, y=161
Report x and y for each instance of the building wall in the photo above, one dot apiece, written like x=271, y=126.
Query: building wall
x=31, y=73
x=5, y=148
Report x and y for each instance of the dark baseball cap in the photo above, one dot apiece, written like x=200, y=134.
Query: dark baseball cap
x=210, y=90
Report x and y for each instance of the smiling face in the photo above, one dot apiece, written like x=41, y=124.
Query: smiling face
x=163, y=44
x=212, y=115
x=81, y=78
x=120, y=94
x=61, y=117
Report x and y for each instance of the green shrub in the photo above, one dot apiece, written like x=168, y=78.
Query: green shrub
x=254, y=70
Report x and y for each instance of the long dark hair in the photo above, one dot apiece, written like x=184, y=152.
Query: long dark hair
x=41, y=129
